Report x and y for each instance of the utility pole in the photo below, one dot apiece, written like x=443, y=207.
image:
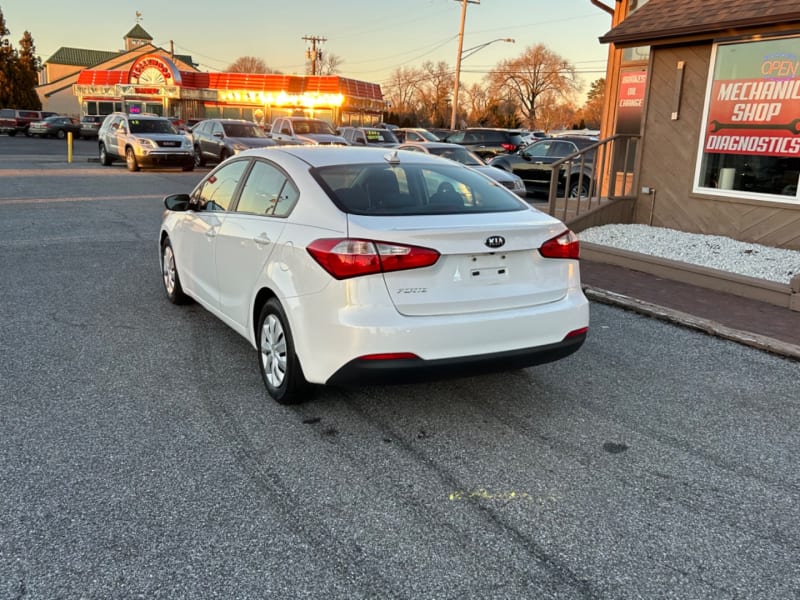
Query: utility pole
x=458, y=59
x=313, y=54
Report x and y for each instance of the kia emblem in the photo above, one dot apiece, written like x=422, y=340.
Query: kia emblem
x=495, y=241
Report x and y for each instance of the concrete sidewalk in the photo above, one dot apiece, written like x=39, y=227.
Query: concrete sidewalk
x=751, y=322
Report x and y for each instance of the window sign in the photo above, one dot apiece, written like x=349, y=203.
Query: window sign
x=750, y=143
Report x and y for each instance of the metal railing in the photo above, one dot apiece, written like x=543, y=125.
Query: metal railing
x=588, y=183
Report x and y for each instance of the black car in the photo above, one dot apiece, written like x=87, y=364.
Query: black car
x=532, y=164
x=487, y=142
x=57, y=126
x=217, y=139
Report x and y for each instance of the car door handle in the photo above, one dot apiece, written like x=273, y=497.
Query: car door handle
x=262, y=239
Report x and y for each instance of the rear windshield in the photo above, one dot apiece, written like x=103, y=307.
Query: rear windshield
x=414, y=188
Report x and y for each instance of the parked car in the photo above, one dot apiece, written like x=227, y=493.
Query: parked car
x=528, y=137
x=305, y=130
x=90, y=125
x=58, y=126
x=487, y=142
x=14, y=121
x=415, y=134
x=143, y=141
x=217, y=139
x=441, y=133
x=369, y=136
x=352, y=265
x=532, y=164
x=465, y=157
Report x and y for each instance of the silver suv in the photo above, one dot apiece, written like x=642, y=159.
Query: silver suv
x=144, y=141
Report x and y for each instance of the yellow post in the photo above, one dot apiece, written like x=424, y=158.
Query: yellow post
x=69, y=146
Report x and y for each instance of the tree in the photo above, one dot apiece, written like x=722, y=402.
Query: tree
x=8, y=61
x=28, y=67
x=434, y=88
x=538, y=74
x=329, y=64
x=401, y=93
x=592, y=111
x=249, y=64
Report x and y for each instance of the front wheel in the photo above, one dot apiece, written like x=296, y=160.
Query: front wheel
x=279, y=365
x=105, y=159
x=130, y=160
x=169, y=275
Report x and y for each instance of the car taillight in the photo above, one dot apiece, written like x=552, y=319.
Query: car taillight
x=509, y=147
x=345, y=257
x=564, y=245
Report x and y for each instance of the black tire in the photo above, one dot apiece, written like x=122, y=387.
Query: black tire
x=130, y=159
x=585, y=186
x=280, y=368
x=223, y=155
x=61, y=134
x=169, y=275
x=105, y=159
x=12, y=133
x=199, y=161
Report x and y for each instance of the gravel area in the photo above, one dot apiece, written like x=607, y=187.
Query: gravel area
x=713, y=251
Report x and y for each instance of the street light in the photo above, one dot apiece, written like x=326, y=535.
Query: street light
x=462, y=54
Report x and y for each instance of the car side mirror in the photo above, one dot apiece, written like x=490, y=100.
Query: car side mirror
x=178, y=202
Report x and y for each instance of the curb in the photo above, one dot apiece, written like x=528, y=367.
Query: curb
x=708, y=326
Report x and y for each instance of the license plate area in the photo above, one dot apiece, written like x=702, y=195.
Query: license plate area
x=485, y=268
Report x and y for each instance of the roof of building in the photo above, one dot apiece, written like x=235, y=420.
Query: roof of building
x=81, y=57
x=138, y=33
x=664, y=21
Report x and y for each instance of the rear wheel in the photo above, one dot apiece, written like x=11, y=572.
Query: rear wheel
x=105, y=159
x=581, y=190
x=61, y=134
x=223, y=155
x=199, y=161
x=130, y=160
x=279, y=365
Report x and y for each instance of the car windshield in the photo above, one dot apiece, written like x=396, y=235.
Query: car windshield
x=151, y=126
x=313, y=127
x=413, y=188
x=242, y=130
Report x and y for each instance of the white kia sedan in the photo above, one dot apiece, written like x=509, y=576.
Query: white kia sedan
x=348, y=265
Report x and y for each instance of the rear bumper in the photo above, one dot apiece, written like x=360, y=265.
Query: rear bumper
x=416, y=370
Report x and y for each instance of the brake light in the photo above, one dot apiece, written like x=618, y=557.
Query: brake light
x=509, y=147
x=564, y=245
x=344, y=258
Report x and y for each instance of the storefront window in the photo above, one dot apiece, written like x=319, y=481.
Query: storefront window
x=751, y=139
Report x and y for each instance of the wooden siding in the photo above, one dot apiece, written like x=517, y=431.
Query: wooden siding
x=669, y=153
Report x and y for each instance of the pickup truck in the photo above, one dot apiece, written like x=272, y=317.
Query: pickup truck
x=305, y=130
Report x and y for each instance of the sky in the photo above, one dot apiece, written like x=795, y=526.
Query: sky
x=372, y=38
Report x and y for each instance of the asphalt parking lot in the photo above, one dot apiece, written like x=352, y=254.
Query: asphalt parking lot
x=141, y=458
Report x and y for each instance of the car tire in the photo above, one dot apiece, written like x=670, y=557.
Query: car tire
x=12, y=133
x=130, y=159
x=199, y=161
x=61, y=134
x=280, y=368
x=583, y=192
x=223, y=155
x=105, y=159
x=169, y=275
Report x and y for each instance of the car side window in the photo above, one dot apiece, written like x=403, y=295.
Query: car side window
x=561, y=149
x=267, y=191
x=538, y=149
x=216, y=192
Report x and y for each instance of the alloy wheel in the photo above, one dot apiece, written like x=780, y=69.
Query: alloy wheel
x=273, y=351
